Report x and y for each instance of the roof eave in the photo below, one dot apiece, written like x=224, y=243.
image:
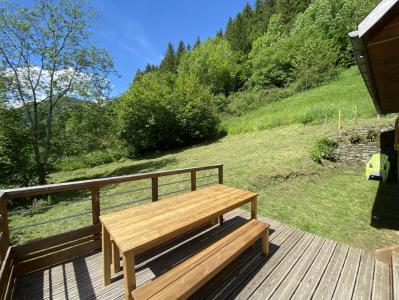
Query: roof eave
x=363, y=62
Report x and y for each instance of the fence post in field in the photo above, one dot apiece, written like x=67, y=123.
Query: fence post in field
x=355, y=116
x=95, y=204
x=193, y=180
x=154, y=188
x=325, y=125
x=339, y=121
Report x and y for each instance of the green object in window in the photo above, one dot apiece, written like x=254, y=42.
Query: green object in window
x=377, y=168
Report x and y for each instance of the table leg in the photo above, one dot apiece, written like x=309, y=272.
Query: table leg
x=106, y=249
x=254, y=209
x=116, y=261
x=129, y=274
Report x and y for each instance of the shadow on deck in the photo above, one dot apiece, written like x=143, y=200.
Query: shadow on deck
x=301, y=265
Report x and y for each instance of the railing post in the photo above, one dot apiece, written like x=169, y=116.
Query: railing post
x=154, y=184
x=5, y=241
x=220, y=168
x=193, y=180
x=95, y=204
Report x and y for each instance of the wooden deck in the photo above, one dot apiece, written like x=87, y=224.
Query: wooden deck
x=300, y=266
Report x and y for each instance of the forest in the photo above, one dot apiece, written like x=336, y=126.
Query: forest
x=267, y=52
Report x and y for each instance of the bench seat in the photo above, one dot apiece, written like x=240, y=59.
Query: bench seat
x=186, y=278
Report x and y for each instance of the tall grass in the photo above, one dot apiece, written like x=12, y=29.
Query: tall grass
x=311, y=107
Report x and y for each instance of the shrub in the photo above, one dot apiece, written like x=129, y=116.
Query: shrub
x=324, y=148
x=355, y=138
x=241, y=102
x=372, y=135
x=161, y=112
x=92, y=159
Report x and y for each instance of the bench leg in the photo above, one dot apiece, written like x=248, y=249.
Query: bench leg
x=265, y=243
x=254, y=209
x=106, y=249
x=129, y=274
x=116, y=261
x=221, y=220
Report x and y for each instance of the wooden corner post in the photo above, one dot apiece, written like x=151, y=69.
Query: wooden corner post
x=5, y=241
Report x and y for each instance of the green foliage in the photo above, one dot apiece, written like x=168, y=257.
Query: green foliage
x=312, y=106
x=91, y=159
x=16, y=161
x=314, y=61
x=332, y=20
x=241, y=102
x=159, y=113
x=85, y=127
x=324, y=148
x=372, y=134
x=355, y=138
x=214, y=65
x=47, y=54
x=168, y=63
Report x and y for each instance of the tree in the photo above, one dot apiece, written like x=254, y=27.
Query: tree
x=213, y=63
x=148, y=123
x=80, y=131
x=181, y=48
x=168, y=63
x=197, y=42
x=314, y=60
x=46, y=53
x=159, y=112
x=16, y=164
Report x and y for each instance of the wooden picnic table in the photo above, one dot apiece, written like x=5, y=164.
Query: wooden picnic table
x=143, y=227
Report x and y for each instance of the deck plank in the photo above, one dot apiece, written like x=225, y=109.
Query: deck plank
x=328, y=282
x=300, y=266
x=347, y=280
x=395, y=275
x=267, y=288
x=364, y=282
x=381, y=283
x=294, y=277
x=311, y=279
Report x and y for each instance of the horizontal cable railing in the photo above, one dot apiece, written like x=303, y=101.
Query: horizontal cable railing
x=36, y=254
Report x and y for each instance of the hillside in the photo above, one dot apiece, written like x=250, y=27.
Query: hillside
x=333, y=199
x=345, y=93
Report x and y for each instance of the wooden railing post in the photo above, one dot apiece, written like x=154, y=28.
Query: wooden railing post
x=220, y=168
x=193, y=180
x=154, y=186
x=5, y=239
x=95, y=204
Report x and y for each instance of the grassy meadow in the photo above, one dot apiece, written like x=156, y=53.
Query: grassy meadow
x=331, y=199
x=345, y=93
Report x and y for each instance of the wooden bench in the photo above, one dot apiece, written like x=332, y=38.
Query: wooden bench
x=186, y=278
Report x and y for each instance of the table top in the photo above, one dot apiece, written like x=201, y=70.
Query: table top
x=145, y=226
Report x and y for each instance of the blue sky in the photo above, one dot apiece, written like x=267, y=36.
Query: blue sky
x=137, y=32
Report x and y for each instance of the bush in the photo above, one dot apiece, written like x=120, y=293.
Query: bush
x=324, y=148
x=92, y=159
x=241, y=102
x=355, y=138
x=161, y=112
x=372, y=135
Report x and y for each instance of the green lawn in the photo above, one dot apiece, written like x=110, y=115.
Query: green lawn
x=331, y=200
x=345, y=93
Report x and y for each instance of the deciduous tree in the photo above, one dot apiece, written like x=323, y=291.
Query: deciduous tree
x=47, y=54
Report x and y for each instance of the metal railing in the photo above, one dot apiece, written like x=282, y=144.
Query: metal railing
x=54, y=249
